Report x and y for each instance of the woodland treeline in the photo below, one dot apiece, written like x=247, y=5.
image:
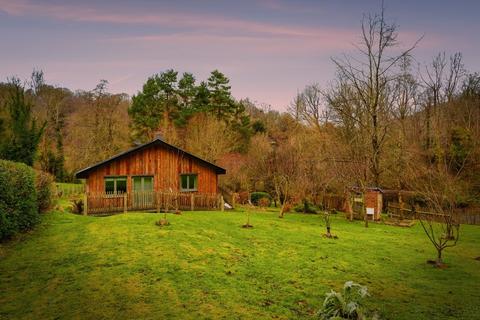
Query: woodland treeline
x=385, y=120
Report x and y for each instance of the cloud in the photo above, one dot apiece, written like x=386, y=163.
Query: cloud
x=167, y=18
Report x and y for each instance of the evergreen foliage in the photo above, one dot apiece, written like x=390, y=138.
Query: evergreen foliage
x=21, y=141
x=168, y=102
x=18, y=198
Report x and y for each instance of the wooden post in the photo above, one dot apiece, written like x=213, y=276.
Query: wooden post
x=222, y=204
x=401, y=205
x=85, y=204
x=192, y=201
x=176, y=202
x=234, y=195
x=125, y=198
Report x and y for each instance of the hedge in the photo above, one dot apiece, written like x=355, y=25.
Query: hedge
x=18, y=198
x=46, y=190
x=256, y=196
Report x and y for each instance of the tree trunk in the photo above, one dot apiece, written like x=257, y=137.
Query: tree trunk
x=439, y=261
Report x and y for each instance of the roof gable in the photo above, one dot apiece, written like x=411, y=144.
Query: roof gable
x=83, y=174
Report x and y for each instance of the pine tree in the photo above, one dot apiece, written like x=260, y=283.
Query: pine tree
x=22, y=139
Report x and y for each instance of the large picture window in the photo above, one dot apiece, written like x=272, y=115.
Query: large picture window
x=115, y=185
x=188, y=182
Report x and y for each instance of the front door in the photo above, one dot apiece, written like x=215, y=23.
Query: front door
x=143, y=195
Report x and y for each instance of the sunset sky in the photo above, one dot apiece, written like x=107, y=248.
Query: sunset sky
x=269, y=49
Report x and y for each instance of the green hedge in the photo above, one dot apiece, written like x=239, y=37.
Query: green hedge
x=256, y=196
x=306, y=207
x=46, y=190
x=18, y=198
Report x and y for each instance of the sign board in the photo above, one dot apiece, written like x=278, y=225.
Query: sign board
x=370, y=211
x=357, y=199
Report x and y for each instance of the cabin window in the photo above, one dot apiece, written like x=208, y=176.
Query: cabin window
x=116, y=185
x=188, y=182
x=143, y=183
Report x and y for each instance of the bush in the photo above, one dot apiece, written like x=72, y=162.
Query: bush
x=348, y=304
x=264, y=202
x=45, y=186
x=306, y=207
x=242, y=197
x=77, y=206
x=18, y=198
x=256, y=196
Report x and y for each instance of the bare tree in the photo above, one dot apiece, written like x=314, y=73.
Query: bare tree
x=309, y=107
x=441, y=80
x=439, y=189
x=365, y=82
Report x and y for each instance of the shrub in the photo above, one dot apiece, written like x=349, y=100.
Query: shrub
x=242, y=197
x=264, y=202
x=77, y=206
x=45, y=186
x=306, y=207
x=347, y=304
x=256, y=196
x=18, y=198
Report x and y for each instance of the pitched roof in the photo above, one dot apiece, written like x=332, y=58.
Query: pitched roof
x=83, y=174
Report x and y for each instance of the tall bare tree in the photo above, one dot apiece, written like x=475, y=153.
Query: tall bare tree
x=310, y=108
x=364, y=93
x=441, y=81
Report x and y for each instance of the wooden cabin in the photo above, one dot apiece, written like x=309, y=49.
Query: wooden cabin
x=141, y=174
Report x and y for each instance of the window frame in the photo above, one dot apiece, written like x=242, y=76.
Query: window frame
x=115, y=179
x=188, y=176
x=142, y=183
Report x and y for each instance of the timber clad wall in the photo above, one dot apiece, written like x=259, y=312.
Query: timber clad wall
x=163, y=164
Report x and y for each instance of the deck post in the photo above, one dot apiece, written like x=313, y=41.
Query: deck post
x=85, y=204
x=125, y=202
x=192, y=202
x=176, y=201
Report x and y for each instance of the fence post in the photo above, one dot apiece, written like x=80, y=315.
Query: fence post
x=125, y=202
x=192, y=202
x=222, y=204
x=85, y=204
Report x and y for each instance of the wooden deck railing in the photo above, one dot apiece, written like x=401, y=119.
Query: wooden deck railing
x=98, y=203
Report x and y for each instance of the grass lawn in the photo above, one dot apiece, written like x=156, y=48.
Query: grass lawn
x=205, y=266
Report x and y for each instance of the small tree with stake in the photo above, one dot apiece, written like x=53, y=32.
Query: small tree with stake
x=328, y=224
x=439, y=188
x=442, y=230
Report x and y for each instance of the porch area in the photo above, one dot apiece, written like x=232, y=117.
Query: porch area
x=159, y=201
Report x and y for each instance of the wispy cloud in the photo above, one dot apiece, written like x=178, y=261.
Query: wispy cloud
x=167, y=18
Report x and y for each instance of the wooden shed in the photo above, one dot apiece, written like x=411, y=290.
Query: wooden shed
x=139, y=177
x=370, y=203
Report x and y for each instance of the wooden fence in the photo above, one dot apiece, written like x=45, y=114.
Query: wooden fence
x=98, y=203
x=398, y=211
x=70, y=189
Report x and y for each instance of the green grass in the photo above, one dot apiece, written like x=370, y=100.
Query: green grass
x=205, y=266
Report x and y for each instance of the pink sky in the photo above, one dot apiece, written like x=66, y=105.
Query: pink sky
x=269, y=49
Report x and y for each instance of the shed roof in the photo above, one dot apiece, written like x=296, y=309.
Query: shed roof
x=359, y=189
x=83, y=174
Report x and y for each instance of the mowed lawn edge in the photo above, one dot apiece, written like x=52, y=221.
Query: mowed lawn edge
x=205, y=266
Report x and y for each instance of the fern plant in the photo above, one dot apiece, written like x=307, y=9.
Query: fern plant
x=346, y=304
